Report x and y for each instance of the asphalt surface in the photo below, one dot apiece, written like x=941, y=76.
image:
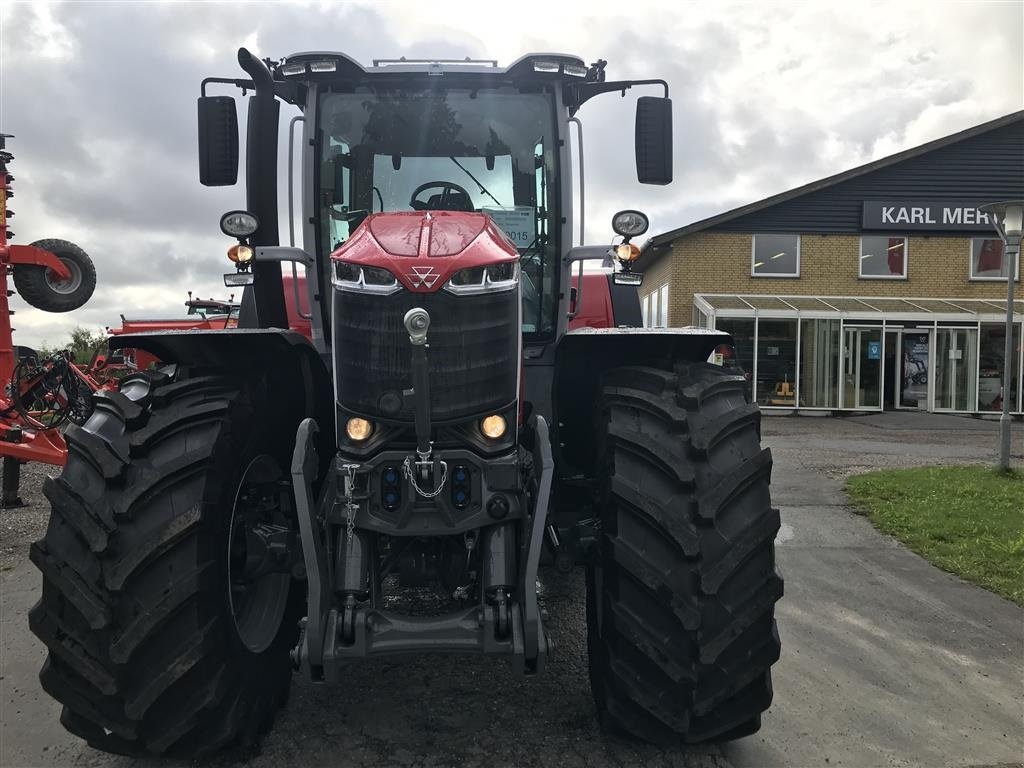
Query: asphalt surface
x=886, y=660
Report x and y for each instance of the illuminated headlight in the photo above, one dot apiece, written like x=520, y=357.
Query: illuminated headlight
x=323, y=66
x=545, y=66
x=493, y=427
x=490, y=279
x=291, y=70
x=357, y=278
x=358, y=429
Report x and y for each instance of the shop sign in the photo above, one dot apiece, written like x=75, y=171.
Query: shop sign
x=925, y=215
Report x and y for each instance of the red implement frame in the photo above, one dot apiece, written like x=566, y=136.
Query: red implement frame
x=19, y=441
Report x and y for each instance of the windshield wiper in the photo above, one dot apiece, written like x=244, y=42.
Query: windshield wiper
x=483, y=189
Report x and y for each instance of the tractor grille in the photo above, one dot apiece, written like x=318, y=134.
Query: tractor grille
x=473, y=352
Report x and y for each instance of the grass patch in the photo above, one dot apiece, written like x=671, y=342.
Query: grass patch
x=966, y=520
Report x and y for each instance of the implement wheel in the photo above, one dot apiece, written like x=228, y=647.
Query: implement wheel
x=167, y=606
x=41, y=287
x=680, y=604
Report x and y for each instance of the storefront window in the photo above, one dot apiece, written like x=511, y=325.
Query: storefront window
x=987, y=260
x=776, y=256
x=883, y=257
x=776, y=363
x=991, y=348
x=819, y=363
x=742, y=331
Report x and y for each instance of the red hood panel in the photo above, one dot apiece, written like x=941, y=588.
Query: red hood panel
x=450, y=235
x=397, y=233
x=424, y=249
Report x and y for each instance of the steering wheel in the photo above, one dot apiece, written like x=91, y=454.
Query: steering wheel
x=447, y=189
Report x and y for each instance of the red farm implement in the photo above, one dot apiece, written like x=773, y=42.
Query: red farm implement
x=39, y=394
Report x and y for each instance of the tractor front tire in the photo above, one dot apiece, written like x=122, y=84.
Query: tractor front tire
x=40, y=287
x=681, y=597
x=139, y=608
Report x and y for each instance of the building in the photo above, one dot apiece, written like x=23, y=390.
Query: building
x=880, y=287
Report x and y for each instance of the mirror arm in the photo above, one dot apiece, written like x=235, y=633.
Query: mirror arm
x=245, y=85
x=583, y=92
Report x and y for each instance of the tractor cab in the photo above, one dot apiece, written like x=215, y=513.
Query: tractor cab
x=416, y=135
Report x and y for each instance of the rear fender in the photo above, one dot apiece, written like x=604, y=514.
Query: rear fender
x=298, y=379
x=584, y=354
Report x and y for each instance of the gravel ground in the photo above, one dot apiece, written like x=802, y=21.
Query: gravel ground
x=21, y=526
x=441, y=711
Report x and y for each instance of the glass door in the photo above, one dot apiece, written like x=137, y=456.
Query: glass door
x=956, y=361
x=862, y=367
x=914, y=353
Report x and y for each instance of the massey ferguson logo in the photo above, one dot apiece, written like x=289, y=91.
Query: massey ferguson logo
x=423, y=276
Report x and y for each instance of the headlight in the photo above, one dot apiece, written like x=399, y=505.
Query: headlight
x=489, y=279
x=238, y=223
x=629, y=223
x=493, y=427
x=357, y=278
x=358, y=429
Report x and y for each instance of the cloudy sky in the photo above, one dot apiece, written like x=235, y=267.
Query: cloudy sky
x=101, y=97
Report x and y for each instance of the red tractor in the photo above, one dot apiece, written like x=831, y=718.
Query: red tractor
x=270, y=502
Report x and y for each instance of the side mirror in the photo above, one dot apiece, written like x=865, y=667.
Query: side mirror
x=654, y=140
x=218, y=141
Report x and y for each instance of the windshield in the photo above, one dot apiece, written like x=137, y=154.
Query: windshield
x=487, y=149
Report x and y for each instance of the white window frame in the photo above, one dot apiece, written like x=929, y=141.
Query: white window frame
x=645, y=308
x=753, y=251
x=970, y=264
x=906, y=259
x=663, y=306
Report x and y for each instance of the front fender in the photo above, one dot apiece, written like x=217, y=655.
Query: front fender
x=584, y=354
x=295, y=372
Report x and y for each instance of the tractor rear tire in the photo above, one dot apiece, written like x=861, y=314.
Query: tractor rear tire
x=137, y=611
x=40, y=288
x=681, y=597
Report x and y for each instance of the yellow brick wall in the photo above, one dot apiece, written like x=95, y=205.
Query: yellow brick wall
x=719, y=262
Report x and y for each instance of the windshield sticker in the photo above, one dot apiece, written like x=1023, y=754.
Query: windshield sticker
x=519, y=223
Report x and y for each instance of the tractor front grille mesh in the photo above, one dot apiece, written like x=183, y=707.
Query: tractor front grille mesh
x=473, y=352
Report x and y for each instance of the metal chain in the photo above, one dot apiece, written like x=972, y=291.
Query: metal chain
x=350, y=506
x=410, y=475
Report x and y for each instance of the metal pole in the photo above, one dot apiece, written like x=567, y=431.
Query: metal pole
x=1012, y=250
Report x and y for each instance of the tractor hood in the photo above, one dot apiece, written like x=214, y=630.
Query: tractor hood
x=424, y=249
